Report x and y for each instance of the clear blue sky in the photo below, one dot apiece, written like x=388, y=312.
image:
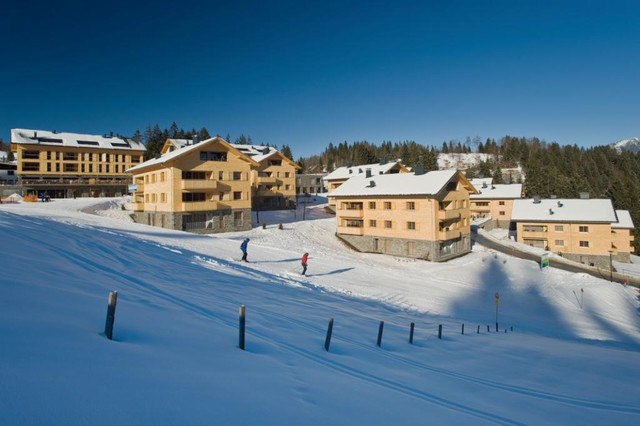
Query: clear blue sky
x=309, y=73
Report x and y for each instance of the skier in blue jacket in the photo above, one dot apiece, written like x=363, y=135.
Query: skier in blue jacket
x=243, y=247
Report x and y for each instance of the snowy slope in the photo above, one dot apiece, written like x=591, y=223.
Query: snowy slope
x=175, y=359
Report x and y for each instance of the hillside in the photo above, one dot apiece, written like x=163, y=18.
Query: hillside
x=631, y=145
x=175, y=360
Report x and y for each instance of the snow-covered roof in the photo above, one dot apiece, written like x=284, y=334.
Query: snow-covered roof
x=624, y=220
x=175, y=153
x=256, y=152
x=180, y=143
x=479, y=182
x=564, y=210
x=76, y=140
x=349, y=172
x=395, y=184
x=501, y=191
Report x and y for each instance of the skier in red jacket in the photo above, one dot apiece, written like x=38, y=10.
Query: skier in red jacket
x=304, y=263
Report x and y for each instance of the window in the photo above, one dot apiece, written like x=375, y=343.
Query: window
x=188, y=176
x=584, y=243
x=192, y=196
x=213, y=156
x=501, y=203
x=162, y=176
x=411, y=205
x=387, y=205
x=48, y=167
x=220, y=175
x=502, y=213
x=584, y=229
x=237, y=218
x=237, y=175
x=48, y=155
x=153, y=198
x=353, y=223
x=32, y=155
x=372, y=205
x=30, y=167
x=560, y=243
x=275, y=162
x=237, y=195
x=558, y=228
x=286, y=174
x=163, y=197
x=452, y=186
x=220, y=196
x=411, y=226
x=372, y=223
x=480, y=204
x=90, y=168
x=534, y=228
x=69, y=156
x=387, y=224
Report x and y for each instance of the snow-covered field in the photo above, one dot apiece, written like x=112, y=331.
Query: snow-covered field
x=573, y=356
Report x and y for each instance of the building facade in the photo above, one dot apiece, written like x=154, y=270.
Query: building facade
x=588, y=231
x=340, y=175
x=423, y=216
x=310, y=184
x=203, y=188
x=67, y=165
x=494, y=201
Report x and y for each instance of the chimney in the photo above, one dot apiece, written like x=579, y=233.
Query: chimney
x=35, y=135
x=111, y=134
x=157, y=156
x=559, y=204
x=419, y=169
x=484, y=185
x=550, y=211
x=368, y=173
x=536, y=199
x=584, y=195
x=372, y=183
x=195, y=139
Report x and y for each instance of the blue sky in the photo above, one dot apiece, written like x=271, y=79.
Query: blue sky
x=309, y=73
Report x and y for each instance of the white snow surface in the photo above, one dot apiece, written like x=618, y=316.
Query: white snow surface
x=564, y=210
x=573, y=356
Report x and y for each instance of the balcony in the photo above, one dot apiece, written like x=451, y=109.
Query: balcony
x=449, y=235
x=268, y=180
x=350, y=230
x=198, y=206
x=449, y=214
x=136, y=207
x=189, y=184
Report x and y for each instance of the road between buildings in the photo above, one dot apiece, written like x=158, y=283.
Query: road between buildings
x=483, y=240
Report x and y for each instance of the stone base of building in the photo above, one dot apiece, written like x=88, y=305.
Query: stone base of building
x=279, y=202
x=599, y=261
x=435, y=251
x=206, y=222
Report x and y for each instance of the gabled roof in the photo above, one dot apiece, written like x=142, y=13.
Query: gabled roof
x=189, y=149
x=398, y=184
x=499, y=191
x=76, y=140
x=349, y=172
x=624, y=220
x=260, y=153
x=564, y=210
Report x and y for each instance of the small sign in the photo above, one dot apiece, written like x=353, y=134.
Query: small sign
x=496, y=298
x=544, y=260
x=133, y=188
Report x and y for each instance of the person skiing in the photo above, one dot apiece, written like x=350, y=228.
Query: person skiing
x=243, y=247
x=304, y=262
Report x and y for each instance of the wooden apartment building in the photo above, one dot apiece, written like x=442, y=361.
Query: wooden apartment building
x=422, y=216
x=67, y=165
x=494, y=202
x=273, y=180
x=589, y=231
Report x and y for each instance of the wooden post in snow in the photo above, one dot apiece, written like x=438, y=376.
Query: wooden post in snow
x=111, y=314
x=380, y=332
x=241, y=330
x=327, y=340
x=440, y=331
x=411, y=332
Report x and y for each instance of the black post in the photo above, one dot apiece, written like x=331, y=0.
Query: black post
x=511, y=328
x=488, y=329
x=380, y=332
x=111, y=314
x=462, y=328
x=327, y=340
x=241, y=333
x=440, y=331
x=496, y=327
x=411, y=333
x=478, y=329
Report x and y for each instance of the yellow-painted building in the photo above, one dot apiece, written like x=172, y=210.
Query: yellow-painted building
x=340, y=175
x=588, y=231
x=422, y=216
x=203, y=187
x=67, y=165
